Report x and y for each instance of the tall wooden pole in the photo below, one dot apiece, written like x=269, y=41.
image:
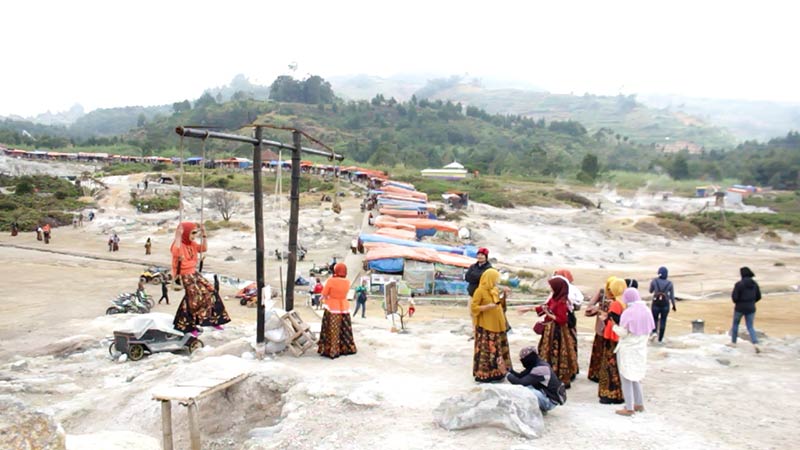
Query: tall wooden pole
x=258, y=202
x=293, y=221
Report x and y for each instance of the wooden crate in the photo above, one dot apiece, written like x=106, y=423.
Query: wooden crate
x=300, y=338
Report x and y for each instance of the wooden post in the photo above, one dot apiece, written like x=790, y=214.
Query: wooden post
x=258, y=204
x=294, y=214
x=194, y=427
x=166, y=424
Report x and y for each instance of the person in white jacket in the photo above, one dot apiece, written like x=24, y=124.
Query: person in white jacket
x=635, y=324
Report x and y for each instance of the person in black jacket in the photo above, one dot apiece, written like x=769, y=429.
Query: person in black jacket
x=473, y=275
x=745, y=295
x=663, y=295
x=539, y=377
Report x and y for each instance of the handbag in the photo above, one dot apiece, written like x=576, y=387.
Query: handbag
x=538, y=327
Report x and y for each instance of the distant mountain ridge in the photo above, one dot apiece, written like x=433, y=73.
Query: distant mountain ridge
x=662, y=120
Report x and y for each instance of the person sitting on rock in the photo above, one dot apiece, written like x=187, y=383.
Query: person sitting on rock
x=539, y=377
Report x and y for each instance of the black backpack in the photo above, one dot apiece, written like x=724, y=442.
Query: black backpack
x=660, y=299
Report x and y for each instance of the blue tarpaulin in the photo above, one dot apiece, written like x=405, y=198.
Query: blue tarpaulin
x=388, y=265
x=422, y=232
x=446, y=287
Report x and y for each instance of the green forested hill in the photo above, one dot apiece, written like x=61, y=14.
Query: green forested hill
x=623, y=114
x=430, y=133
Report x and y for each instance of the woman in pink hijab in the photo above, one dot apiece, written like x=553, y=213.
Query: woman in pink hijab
x=635, y=324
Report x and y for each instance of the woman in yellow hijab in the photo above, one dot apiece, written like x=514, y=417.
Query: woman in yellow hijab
x=492, y=358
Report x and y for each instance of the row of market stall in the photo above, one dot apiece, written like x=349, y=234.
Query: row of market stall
x=271, y=161
x=399, y=246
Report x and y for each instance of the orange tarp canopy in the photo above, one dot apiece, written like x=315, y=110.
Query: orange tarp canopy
x=405, y=192
x=399, y=234
x=397, y=225
x=386, y=251
x=439, y=225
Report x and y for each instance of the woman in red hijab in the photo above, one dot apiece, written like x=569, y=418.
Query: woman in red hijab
x=336, y=336
x=201, y=305
x=556, y=345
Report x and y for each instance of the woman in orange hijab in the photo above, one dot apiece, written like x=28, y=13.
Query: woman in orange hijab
x=599, y=303
x=201, y=305
x=336, y=336
x=610, y=385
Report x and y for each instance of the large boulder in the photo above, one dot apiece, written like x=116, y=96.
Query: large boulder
x=514, y=408
x=23, y=428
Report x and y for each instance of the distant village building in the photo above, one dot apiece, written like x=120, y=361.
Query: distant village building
x=452, y=171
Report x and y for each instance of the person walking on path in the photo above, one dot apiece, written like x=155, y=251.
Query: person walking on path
x=635, y=324
x=361, y=299
x=46, y=233
x=164, y=290
x=745, y=295
x=147, y=246
x=663, y=294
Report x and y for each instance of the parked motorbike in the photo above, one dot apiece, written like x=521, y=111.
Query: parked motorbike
x=319, y=271
x=130, y=303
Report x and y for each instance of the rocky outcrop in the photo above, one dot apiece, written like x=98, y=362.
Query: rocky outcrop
x=514, y=408
x=24, y=428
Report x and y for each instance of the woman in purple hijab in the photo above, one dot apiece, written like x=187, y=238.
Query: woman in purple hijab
x=635, y=325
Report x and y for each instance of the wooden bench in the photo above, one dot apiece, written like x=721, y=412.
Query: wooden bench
x=187, y=393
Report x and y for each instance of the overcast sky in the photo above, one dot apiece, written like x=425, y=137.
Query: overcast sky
x=118, y=53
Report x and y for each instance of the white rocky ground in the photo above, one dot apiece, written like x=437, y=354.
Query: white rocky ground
x=699, y=393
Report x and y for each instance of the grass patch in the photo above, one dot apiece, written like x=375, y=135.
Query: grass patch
x=656, y=183
x=243, y=181
x=728, y=226
x=781, y=202
x=38, y=199
x=212, y=225
x=153, y=204
x=128, y=168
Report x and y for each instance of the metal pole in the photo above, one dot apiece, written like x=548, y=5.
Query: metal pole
x=293, y=221
x=258, y=203
x=201, y=133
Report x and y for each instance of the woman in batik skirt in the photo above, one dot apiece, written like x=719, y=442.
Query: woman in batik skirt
x=336, y=336
x=201, y=305
x=610, y=386
x=556, y=345
x=492, y=359
x=599, y=303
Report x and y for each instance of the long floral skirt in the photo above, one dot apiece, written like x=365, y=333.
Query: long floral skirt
x=336, y=336
x=492, y=358
x=610, y=388
x=557, y=348
x=200, y=307
x=597, y=357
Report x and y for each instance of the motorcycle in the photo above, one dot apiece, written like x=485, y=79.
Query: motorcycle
x=130, y=303
x=319, y=271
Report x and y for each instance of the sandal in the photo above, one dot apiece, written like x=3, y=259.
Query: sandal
x=638, y=408
x=624, y=412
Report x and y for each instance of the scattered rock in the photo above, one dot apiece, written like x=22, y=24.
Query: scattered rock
x=19, y=366
x=724, y=362
x=23, y=428
x=514, y=408
x=230, y=258
x=68, y=346
x=549, y=253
